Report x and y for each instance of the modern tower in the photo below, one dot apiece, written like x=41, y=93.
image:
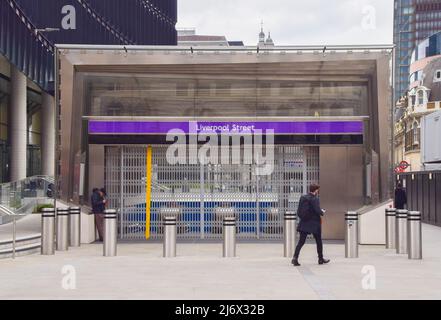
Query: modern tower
x=414, y=21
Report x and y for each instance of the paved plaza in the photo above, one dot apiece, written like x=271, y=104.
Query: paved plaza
x=199, y=272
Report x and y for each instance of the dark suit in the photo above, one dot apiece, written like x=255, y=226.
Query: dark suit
x=97, y=203
x=98, y=208
x=400, y=198
x=309, y=206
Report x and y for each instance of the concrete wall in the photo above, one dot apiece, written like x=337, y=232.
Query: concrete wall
x=372, y=225
x=414, y=159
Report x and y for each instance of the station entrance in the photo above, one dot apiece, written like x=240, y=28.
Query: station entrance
x=137, y=175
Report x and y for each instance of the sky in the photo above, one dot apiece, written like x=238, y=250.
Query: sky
x=292, y=22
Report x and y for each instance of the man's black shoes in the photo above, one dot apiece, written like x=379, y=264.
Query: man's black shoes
x=295, y=262
x=323, y=261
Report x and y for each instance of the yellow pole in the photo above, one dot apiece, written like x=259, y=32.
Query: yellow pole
x=148, y=192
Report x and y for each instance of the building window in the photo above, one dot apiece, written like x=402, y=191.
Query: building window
x=420, y=97
x=437, y=77
x=412, y=137
x=416, y=135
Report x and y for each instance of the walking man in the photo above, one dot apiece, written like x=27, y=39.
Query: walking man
x=400, y=197
x=98, y=207
x=310, y=215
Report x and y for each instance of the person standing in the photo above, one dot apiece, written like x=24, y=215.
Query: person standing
x=98, y=207
x=400, y=197
x=310, y=215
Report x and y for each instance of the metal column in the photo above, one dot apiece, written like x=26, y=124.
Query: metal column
x=47, y=135
x=75, y=226
x=414, y=235
x=170, y=217
x=401, y=231
x=169, y=250
x=48, y=231
x=229, y=233
x=18, y=125
x=110, y=233
x=390, y=228
x=351, y=235
x=290, y=234
x=62, y=229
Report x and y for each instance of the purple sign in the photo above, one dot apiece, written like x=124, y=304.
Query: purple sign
x=201, y=127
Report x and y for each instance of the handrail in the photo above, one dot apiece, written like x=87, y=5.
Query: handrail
x=50, y=179
x=19, y=196
x=14, y=232
x=6, y=210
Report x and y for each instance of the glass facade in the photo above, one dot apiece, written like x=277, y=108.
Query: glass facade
x=414, y=21
x=427, y=48
x=168, y=96
x=404, y=39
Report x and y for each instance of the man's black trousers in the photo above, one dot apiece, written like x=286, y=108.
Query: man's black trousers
x=318, y=240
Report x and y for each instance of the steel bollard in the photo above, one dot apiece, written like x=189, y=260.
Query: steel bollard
x=414, y=235
x=401, y=231
x=229, y=233
x=169, y=250
x=75, y=226
x=110, y=233
x=290, y=234
x=48, y=231
x=62, y=229
x=390, y=228
x=351, y=235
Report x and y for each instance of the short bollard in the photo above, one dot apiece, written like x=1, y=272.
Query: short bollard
x=414, y=235
x=75, y=226
x=62, y=229
x=229, y=234
x=390, y=228
x=351, y=235
x=401, y=231
x=110, y=233
x=169, y=250
x=290, y=234
x=48, y=231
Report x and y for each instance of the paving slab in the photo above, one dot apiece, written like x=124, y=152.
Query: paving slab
x=199, y=272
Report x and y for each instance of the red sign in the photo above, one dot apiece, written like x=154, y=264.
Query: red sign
x=404, y=165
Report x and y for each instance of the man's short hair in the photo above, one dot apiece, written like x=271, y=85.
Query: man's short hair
x=313, y=188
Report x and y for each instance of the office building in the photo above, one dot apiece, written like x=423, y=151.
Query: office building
x=28, y=32
x=414, y=21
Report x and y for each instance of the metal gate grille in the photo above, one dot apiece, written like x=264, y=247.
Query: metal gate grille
x=197, y=190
